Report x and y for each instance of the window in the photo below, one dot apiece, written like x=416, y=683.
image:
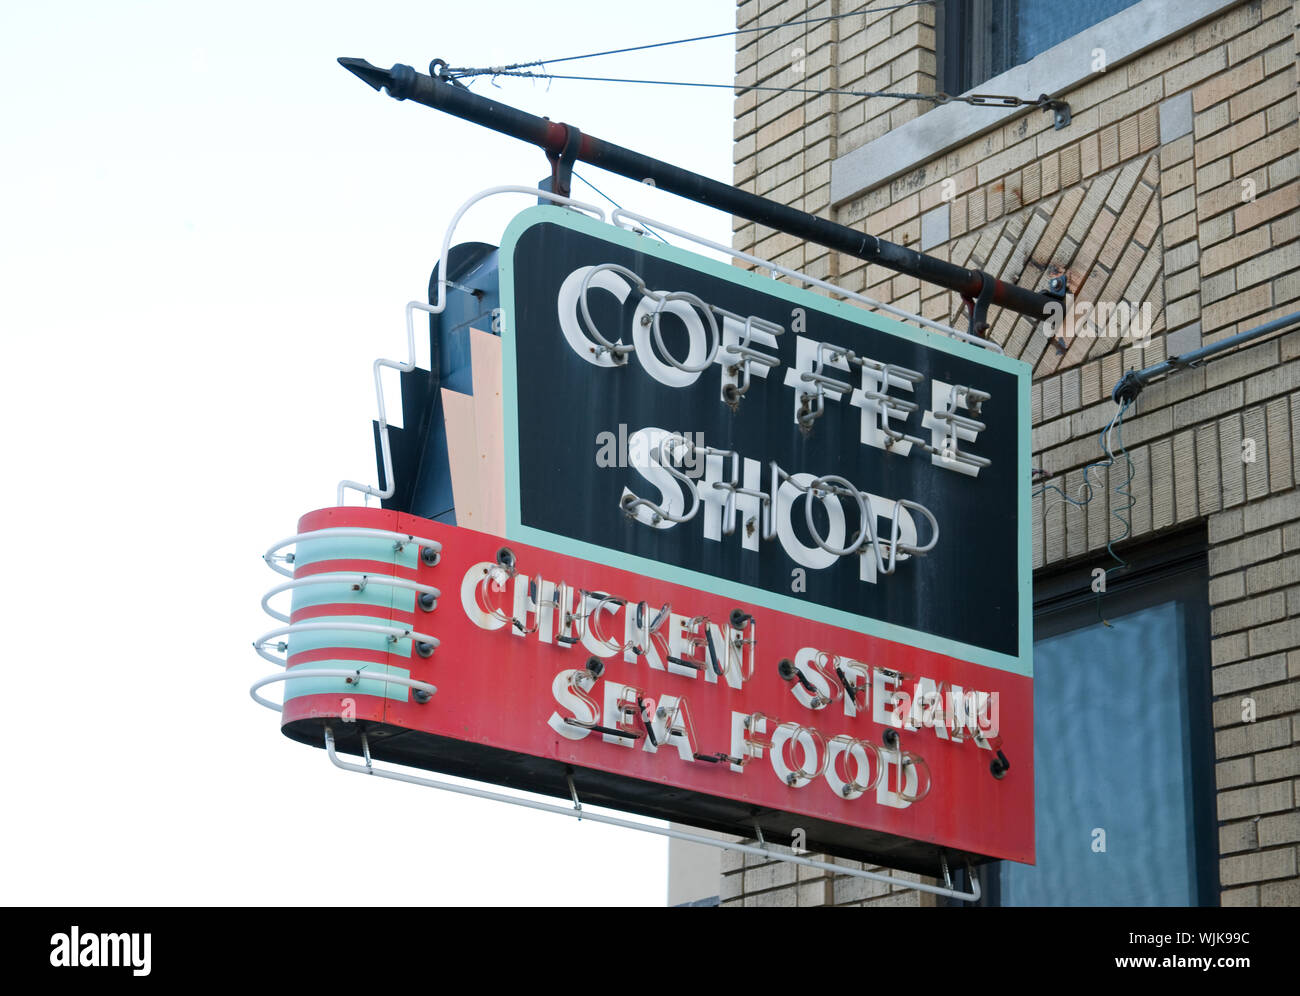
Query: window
x=1123, y=750
x=979, y=39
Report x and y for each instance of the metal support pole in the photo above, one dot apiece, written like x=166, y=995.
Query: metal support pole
x=564, y=143
x=1131, y=384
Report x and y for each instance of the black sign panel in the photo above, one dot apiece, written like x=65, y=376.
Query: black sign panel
x=929, y=421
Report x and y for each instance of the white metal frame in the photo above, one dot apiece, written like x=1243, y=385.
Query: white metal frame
x=577, y=812
x=436, y=309
x=620, y=216
x=356, y=580
x=274, y=559
x=394, y=633
x=350, y=675
x=343, y=532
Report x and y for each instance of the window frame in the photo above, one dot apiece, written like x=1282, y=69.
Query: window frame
x=1176, y=564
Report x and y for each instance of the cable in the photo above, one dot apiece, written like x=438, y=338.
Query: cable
x=1115, y=425
x=977, y=99
x=504, y=70
x=1123, y=490
x=1086, y=486
x=616, y=204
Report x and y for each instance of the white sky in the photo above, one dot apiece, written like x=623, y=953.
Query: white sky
x=208, y=231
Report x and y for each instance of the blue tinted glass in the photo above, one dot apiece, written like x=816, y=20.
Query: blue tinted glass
x=1112, y=752
x=1040, y=24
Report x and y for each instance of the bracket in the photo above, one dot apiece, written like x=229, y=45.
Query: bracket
x=1059, y=108
x=979, y=307
x=562, y=165
x=573, y=791
x=1130, y=385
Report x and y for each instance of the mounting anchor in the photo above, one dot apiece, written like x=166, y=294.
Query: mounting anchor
x=562, y=164
x=1130, y=386
x=1059, y=108
x=979, y=306
x=573, y=791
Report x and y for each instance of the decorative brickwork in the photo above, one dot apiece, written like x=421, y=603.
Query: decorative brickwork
x=1177, y=185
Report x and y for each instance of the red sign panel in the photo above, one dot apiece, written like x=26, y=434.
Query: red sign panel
x=657, y=698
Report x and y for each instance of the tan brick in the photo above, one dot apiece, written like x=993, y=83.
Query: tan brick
x=1253, y=428
x=1250, y=612
x=1181, y=256
x=1203, y=405
x=1175, y=179
x=1254, y=800
x=1214, y=173
x=895, y=214
x=1235, y=137
x=1185, y=507
x=1272, y=765
x=1217, y=287
x=1069, y=166
x=1268, y=206
x=1226, y=254
x=1265, y=265
x=1209, y=495
x=1230, y=774
x=1215, y=230
x=1280, y=114
x=1282, y=172
x=1273, y=90
x=1232, y=309
x=1221, y=87
x=1283, y=635
x=1226, y=25
x=1235, y=365
x=1266, y=150
x=1259, y=38
x=1192, y=72
x=1258, y=867
x=1225, y=526
x=1286, y=893
x=1253, y=738
x=1108, y=147
x=1158, y=60
x=1216, y=200
x=1280, y=445
x=1149, y=129
x=1245, y=896
x=1226, y=587
x=1181, y=230
x=1245, y=675
x=1245, y=552
x=1227, y=649
x=1285, y=229
x=1234, y=837
x=1177, y=151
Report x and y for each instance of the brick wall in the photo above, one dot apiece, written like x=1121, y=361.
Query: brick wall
x=1177, y=183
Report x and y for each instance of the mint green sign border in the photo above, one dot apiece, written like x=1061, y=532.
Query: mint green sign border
x=1022, y=664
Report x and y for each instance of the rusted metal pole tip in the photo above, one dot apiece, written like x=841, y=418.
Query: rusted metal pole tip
x=373, y=76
